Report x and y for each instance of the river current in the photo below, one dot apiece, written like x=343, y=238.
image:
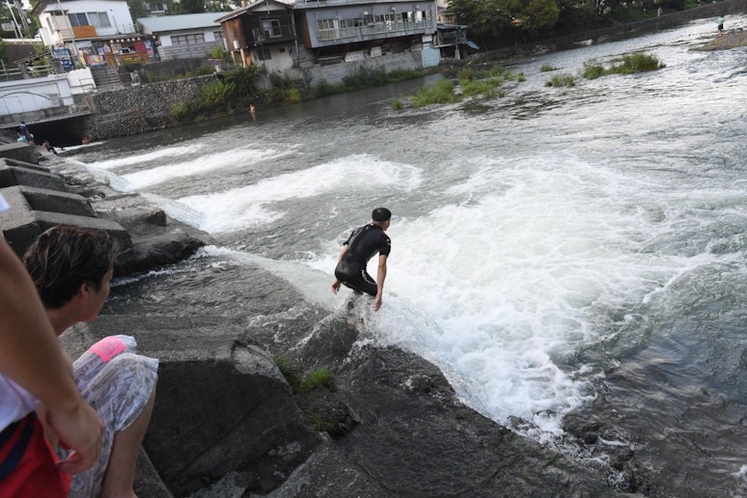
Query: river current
x=551, y=247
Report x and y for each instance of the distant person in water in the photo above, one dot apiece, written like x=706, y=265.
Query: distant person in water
x=360, y=247
x=85, y=141
x=49, y=147
x=720, y=25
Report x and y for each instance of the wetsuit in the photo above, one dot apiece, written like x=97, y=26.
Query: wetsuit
x=362, y=244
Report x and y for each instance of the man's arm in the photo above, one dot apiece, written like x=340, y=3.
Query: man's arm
x=336, y=283
x=380, y=276
x=31, y=356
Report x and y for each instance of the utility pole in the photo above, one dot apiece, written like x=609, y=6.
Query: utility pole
x=16, y=28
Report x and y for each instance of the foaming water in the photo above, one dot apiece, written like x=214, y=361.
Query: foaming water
x=254, y=204
x=241, y=158
x=540, y=241
x=148, y=157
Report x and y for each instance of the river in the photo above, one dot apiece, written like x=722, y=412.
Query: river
x=555, y=250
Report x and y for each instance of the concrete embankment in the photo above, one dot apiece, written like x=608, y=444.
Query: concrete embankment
x=40, y=199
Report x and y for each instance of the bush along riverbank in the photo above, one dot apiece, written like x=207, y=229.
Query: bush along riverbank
x=496, y=81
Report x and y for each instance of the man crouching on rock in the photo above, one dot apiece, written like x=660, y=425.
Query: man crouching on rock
x=362, y=244
x=71, y=269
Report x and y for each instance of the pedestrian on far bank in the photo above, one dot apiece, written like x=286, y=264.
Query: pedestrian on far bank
x=720, y=25
x=659, y=12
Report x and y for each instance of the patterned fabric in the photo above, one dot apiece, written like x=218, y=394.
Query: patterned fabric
x=118, y=384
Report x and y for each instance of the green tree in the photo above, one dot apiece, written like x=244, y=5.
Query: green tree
x=534, y=16
x=193, y=6
x=137, y=8
x=499, y=18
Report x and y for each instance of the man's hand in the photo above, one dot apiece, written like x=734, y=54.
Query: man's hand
x=335, y=286
x=377, y=302
x=80, y=430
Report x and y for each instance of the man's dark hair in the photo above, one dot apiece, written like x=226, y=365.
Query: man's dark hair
x=380, y=215
x=65, y=257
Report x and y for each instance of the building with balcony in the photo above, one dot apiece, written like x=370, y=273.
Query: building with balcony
x=304, y=35
x=262, y=33
x=94, y=32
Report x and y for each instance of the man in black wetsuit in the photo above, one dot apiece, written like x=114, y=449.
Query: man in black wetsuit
x=362, y=244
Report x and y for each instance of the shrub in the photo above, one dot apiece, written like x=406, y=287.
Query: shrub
x=593, y=69
x=242, y=79
x=293, y=96
x=546, y=68
x=480, y=87
x=217, y=92
x=637, y=63
x=630, y=63
x=441, y=92
x=396, y=104
x=324, y=88
x=187, y=111
x=322, y=377
x=561, y=80
x=467, y=74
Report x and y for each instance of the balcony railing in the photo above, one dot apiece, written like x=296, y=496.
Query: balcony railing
x=273, y=34
x=328, y=34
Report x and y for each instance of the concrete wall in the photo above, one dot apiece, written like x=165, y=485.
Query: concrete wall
x=139, y=109
x=335, y=73
x=34, y=94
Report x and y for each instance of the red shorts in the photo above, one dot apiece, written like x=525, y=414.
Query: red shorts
x=27, y=462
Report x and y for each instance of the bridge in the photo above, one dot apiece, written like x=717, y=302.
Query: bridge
x=47, y=100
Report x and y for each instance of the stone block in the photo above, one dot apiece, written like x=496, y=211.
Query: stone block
x=59, y=202
x=32, y=177
x=20, y=150
x=25, y=221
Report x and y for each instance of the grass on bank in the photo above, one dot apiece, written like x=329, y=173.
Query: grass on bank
x=593, y=69
x=628, y=64
x=485, y=83
x=321, y=378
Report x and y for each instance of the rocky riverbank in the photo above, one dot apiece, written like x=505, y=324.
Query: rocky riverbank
x=228, y=423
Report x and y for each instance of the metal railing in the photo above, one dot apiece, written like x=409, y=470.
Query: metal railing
x=17, y=73
x=327, y=34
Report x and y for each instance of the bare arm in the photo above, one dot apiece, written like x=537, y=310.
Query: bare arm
x=336, y=283
x=31, y=356
x=380, y=276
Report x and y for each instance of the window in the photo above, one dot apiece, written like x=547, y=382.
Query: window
x=271, y=27
x=218, y=36
x=78, y=20
x=332, y=29
x=188, y=39
x=98, y=19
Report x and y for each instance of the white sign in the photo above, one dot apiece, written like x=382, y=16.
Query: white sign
x=7, y=26
x=355, y=56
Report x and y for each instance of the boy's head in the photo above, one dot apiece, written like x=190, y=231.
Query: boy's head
x=64, y=258
x=380, y=215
